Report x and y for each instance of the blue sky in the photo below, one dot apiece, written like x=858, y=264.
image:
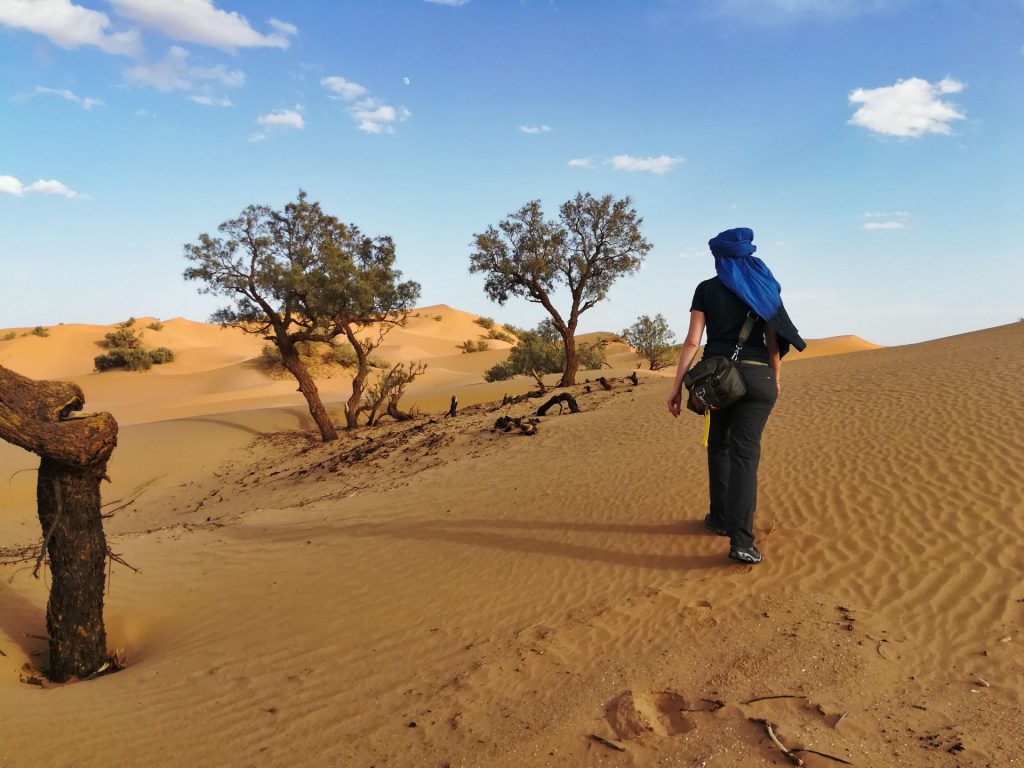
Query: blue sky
x=874, y=147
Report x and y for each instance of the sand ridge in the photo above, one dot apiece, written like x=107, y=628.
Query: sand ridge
x=441, y=594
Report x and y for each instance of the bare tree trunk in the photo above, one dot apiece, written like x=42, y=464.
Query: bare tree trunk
x=45, y=417
x=571, y=363
x=307, y=386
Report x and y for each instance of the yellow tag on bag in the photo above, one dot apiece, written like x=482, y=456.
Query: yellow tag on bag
x=707, y=427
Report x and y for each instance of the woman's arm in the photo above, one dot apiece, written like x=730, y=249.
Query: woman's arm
x=686, y=355
x=771, y=341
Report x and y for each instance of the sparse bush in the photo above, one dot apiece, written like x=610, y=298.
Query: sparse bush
x=590, y=356
x=497, y=335
x=474, y=346
x=439, y=318
x=40, y=331
x=9, y=336
x=134, y=359
x=123, y=338
x=487, y=323
x=161, y=355
x=343, y=355
x=156, y=325
x=125, y=350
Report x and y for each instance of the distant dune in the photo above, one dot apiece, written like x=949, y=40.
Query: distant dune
x=437, y=593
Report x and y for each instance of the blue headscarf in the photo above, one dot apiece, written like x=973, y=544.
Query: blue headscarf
x=749, y=278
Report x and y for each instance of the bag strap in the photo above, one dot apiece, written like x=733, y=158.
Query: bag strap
x=748, y=326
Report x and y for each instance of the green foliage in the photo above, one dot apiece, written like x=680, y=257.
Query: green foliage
x=594, y=242
x=156, y=325
x=123, y=338
x=590, y=356
x=497, y=335
x=134, y=359
x=8, y=336
x=487, y=323
x=536, y=353
x=474, y=346
x=161, y=355
x=40, y=331
x=652, y=339
x=301, y=275
x=125, y=350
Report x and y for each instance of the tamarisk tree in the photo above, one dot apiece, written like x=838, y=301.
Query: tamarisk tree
x=652, y=339
x=594, y=242
x=300, y=275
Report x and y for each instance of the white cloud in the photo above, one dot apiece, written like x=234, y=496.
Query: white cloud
x=212, y=101
x=885, y=220
x=342, y=88
x=84, y=103
x=174, y=73
x=535, y=129
x=659, y=165
x=282, y=118
x=884, y=225
x=284, y=27
x=9, y=185
x=910, y=108
x=373, y=116
x=68, y=25
x=200, y=21
x=581, y=162
x=407, y=81
x=451, y=3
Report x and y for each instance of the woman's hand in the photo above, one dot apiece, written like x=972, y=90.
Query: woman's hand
x=675, y=402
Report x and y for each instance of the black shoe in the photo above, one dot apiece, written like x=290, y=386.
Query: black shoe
x=715, y=529
x=750, y=555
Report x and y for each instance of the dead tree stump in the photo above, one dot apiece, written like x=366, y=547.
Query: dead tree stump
x=564, y=397
x=46, y=418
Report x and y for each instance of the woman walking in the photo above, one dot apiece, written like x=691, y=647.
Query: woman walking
x=742, y=286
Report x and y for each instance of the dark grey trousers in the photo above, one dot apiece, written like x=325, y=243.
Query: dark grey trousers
x=734, y=451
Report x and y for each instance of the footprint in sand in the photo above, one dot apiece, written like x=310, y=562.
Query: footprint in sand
x=633, y=714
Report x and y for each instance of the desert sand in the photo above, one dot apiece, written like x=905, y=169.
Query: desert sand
x=435, y=593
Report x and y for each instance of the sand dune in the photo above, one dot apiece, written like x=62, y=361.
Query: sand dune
x=447, y=595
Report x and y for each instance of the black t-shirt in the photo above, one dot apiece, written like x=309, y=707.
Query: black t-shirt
x=724, y=313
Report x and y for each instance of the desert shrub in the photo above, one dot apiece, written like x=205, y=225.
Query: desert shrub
x=125, y=350
x=439, y=318
x=270, y=355
x=501, y=372
x=123, y=338
x=161, y=355
x=590, y=356
x=494, y=333
x=40, y=331
x=319, y=358
x=343, y=355
x=487, y=323
x=134, y=359
x=156, y=325
x=474, y=346
x=9, y=336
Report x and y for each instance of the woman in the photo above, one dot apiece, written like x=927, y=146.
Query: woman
x=743, y=284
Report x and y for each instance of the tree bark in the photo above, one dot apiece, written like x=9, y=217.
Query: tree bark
x=45, y=417
x=307, y=386
x=571, y=363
